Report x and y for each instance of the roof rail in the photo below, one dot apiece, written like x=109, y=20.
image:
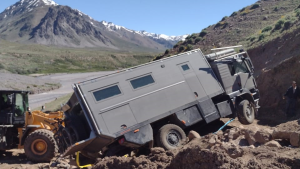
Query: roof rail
x=229, y=47
x=230, y=55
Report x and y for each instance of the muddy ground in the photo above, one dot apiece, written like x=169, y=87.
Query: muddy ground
x=236, y=146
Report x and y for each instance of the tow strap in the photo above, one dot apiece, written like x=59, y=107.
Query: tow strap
x=224, y=125
x=78, y=163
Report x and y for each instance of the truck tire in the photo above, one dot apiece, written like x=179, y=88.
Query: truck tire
x=246, y=112
x=40, y=146
x=77, y=130
x=170, y=136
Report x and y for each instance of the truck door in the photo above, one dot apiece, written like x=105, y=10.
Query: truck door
x=242, y=75
x=205, y=104
x=192, y=80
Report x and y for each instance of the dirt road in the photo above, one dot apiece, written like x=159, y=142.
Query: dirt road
x=66, y=81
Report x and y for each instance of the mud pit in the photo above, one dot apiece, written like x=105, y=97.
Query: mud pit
x=230, y=149
x=237, y=146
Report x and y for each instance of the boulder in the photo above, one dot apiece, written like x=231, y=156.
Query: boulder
x=234, y=133
x=281, y=134
x=193, y=134
x=234, y=151
x=249, y=136
x=295, y=139
x=263, y=136
x=212, y=141
x=273, y=143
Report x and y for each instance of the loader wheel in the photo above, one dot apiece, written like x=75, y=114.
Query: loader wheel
x=170, y=136
x=40, y=146
x=246, y=112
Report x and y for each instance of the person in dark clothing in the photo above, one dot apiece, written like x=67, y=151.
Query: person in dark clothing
x=292, y=94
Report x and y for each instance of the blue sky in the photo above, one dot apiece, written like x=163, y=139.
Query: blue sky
x=170, y=17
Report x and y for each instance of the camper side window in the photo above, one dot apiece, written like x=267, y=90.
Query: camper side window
x=107, y=93
x=142, y=81
x=185, y=67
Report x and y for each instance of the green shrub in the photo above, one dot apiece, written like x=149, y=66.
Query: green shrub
x=198, y=39
x=175, y=46
x=223, y=19
x=233, y=14
x=190, y=41
x=254, y=6
x=223, y=24
x=261, y=37
x=287, y=24
x=276, y=8
x=252, y=38
x=194, y=36
x=181, y=48
x=297, y=11
x=242, y=9
x=278, y=25
x=202, y=33
x=167, y=52
x=189, y=47
x=266, y=29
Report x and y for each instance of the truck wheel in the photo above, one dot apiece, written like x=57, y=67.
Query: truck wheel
x=77, y=131
x=40, y=146
x=246, y=112
x=170, y=136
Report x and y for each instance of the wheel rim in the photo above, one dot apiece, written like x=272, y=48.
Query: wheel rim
x=173, y=138
x=39, y=147
x=249, y=111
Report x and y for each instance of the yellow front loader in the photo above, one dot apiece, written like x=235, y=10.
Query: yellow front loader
x=34, y=131
x=37, y=136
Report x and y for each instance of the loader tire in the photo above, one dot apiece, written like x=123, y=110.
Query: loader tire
x=246, y=113
x=40, y=146
x=170, y=137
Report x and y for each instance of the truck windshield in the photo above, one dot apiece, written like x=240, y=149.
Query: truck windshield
x=238, y=67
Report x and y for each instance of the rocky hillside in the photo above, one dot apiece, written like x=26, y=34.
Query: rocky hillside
x=270, y=30
x=45, y=22
x=248, y=26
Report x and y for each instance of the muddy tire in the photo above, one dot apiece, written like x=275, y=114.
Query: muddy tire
x=40, y=146
x=170, y=137
x=77, y=131
x=246, y=113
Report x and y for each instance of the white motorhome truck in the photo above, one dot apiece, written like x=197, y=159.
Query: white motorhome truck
x=150, y=104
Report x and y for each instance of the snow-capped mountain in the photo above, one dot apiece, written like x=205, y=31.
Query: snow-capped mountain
x=24, y=6
x=112, y=27
x=46, y=22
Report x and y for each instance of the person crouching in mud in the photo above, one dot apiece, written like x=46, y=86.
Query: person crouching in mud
x=292, y=94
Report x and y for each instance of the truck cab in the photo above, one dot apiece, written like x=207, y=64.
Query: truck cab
x=235, y=72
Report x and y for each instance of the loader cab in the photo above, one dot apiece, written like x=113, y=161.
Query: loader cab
x=13, y=105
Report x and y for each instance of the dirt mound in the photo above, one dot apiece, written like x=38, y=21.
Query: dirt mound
x=235, y=148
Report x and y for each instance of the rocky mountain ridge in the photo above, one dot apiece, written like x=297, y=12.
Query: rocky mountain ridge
x=45, y=22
